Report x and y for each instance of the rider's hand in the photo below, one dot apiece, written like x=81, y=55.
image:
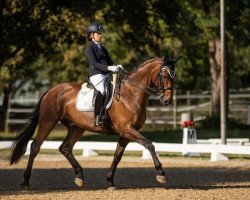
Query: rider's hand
x=113, y=68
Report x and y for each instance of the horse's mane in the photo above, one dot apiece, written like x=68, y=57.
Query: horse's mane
x=144, y=62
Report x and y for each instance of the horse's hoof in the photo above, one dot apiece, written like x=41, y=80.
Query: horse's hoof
x=24, y=186
x=112, y=188
x=161, y=179
x=79, y=182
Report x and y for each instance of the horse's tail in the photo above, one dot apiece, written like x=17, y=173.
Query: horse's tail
x=21, y=141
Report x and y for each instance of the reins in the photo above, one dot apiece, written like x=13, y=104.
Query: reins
x=124, y=74
x=165, y=64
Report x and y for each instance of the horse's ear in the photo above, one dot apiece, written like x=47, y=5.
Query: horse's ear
x=166, y=59
x=177, y=59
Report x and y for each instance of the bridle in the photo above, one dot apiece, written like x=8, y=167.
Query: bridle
x=161, y=79
x=169, y=65
x=156, y=91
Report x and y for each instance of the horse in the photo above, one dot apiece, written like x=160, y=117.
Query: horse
x=127, y=115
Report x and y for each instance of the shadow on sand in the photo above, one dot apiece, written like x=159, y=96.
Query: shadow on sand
x=126, y=178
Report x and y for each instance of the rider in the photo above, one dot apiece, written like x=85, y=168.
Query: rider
x=100, y=65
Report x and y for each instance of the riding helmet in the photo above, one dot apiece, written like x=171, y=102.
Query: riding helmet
x=94, y=27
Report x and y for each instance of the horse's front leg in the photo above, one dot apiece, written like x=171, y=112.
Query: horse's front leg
x=121, y=145
x=134, y=135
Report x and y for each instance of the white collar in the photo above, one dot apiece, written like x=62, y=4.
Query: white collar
x=97, y=43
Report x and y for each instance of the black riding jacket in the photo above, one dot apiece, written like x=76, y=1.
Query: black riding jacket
x=98, y=59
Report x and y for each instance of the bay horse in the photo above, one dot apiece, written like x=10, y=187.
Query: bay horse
x=127, y=115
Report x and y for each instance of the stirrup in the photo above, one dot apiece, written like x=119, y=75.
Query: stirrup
x=98, y=121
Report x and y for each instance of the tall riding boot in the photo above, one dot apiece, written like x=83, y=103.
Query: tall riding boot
x=98, y=109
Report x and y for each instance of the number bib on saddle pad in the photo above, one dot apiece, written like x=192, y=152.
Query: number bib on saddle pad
x=84, y=97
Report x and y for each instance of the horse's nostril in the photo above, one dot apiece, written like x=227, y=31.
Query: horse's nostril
x=167, y=102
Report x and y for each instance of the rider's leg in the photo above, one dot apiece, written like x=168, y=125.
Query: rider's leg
x=98, y=109
x=98, y=81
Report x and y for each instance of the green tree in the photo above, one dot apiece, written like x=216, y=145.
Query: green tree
x=35, y=32
x=46, y=40
x=199, y=33
x=14, y=39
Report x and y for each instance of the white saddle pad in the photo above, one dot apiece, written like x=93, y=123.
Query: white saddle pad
x=85, y=96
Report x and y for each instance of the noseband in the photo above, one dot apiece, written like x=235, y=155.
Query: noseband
x=160, y=79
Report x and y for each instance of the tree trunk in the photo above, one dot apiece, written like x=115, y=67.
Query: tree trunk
x=215, y=66
x=5, y=104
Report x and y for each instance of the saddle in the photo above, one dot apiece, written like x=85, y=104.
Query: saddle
x=86, y=96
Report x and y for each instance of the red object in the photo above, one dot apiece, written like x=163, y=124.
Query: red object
x=188, y=124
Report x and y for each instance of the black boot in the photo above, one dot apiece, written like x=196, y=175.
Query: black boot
x=98, y=109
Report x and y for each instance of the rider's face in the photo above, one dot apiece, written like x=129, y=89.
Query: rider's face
x=97, y=37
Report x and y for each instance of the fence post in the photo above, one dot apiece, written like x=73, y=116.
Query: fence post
x=248, y=116
x=145, y=154
x=175, y=110
x=188, y=101
x=215, y=155
x=28, y=148
x=87, y=152
x=6, y=128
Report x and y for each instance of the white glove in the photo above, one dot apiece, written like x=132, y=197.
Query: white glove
x=113, y=68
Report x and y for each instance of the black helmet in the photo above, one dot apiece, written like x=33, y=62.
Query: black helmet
x=94, y=27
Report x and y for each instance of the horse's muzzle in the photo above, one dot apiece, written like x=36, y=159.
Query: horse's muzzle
x=165, y=101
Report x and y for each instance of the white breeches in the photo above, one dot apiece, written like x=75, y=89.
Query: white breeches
x=98, y=81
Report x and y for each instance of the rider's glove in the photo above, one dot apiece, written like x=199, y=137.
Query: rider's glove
x=113, y=68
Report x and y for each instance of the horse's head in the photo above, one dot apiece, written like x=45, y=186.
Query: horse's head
x=165, y=79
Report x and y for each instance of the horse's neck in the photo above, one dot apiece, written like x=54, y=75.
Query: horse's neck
x=143, y=74
x=140, y=80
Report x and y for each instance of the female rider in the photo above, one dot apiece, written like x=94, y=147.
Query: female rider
x=100, y=65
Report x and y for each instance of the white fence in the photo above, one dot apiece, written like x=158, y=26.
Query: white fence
x=90, y=148
x=230, y=141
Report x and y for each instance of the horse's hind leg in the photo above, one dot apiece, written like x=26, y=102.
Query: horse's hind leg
x=44, y=128
x=74, y=134
x=121, y=145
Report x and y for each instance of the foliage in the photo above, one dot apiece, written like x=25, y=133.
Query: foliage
x=45, y=40
x=47, y=37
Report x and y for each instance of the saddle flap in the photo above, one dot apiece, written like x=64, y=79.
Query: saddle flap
x=85, y=97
